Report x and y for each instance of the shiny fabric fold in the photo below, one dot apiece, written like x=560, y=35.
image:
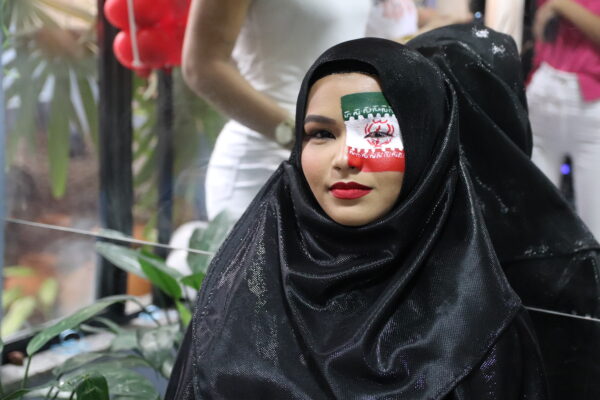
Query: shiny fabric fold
x=414, y=305
x=550, y=258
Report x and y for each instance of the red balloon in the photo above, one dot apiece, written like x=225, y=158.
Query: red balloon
x=181, y=8
x=154, y=45
x=176, y=33
x=122, y=49
x=147, y=12
x=177, y=15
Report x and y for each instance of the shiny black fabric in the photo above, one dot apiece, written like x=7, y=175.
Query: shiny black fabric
x=411, y=306
x=548, y=254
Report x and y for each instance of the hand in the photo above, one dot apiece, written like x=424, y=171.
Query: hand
x=543, y=15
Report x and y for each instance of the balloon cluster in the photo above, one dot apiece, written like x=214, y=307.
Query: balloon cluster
x=151, y=34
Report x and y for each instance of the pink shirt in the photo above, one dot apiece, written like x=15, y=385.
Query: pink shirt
x=574, y=52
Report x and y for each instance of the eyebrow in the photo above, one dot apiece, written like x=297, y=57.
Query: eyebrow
x=320, y=119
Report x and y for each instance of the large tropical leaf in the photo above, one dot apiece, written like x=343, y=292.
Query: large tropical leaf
x=50, y=62
x=20, y=310
x=72, y=321
x=114, y=359
x=158, y=344
x=93, y=387
x=59, y=135
x=129, y=260
x=208, y=239
x=121, y=379
x=161, y=279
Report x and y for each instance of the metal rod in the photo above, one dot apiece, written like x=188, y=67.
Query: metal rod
x=105, y=235
x=115, y=153
x=2, y=166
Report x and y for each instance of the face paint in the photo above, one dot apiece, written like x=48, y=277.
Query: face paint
x=373, y=137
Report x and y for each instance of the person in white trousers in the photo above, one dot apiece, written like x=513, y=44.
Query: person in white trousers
x=564, y=99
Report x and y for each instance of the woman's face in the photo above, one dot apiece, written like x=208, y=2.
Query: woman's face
x=352, y=152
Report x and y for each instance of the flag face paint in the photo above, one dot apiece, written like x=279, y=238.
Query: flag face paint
x=373, y=137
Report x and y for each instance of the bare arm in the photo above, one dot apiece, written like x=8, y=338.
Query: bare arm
x=506, y=16
x=212, y=30
x=586, y=21
x=431, y=19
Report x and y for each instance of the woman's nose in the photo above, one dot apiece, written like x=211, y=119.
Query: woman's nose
x=343, y=160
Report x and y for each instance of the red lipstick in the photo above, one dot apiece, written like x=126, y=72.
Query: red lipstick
x=349, y=190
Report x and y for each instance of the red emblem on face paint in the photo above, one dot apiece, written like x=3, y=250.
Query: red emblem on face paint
x=379, y=132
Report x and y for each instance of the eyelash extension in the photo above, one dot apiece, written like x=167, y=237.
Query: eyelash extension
x=314, y=134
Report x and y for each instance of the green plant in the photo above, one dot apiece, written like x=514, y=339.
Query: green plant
x=112, y=374
x=41, y=56
x=18, y=307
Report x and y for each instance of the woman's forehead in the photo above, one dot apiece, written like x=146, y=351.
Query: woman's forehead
x=332, y=87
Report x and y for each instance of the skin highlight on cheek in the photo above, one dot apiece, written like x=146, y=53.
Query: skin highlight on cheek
x=373, y=137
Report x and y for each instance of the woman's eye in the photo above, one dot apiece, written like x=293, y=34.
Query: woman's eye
x=319, y=134
x=377, y=134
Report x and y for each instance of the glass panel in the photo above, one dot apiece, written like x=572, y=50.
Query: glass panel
x=52, y=112
x=48, y=274
x=51, y=95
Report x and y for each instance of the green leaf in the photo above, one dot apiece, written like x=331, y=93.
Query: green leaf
x=184, y=314
x=10, y=295
x=148, y=169
x=17, y=394
x=48, y=292
x=122, y=257
x=16, y=316
x=1, y=352
x=113, y=360
x=18, y=272
x=208, y=239
x=159, y=263
x=164, y=281
x=71, y=321
x=194, y=281
x=59, y=136
x=144, y=145
x=114, y=234
x=93, y=387
x=129, y=260
x=90, y=107
x=70, y=10
x=120, y=378
x=93, y=329
x=114, y=327
x=76, y=362
x=125, y=340
x=28, y=92
x=158, y=344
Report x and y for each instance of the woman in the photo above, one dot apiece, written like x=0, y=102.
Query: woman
x=363, y=268
x=564, y=98
x=548, y=254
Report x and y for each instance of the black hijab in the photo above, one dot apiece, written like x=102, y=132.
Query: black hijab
x=411, y=306
x=548, y=254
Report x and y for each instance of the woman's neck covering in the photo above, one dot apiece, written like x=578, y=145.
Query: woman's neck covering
x=548, y=254
x=296, y=306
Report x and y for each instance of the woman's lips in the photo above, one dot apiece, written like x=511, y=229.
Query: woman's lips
x=349, y=190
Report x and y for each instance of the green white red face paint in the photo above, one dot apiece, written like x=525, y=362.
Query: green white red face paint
x=373, y=137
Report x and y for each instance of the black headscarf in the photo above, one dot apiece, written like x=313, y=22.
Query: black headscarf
x=413, y=305
x=548, y=254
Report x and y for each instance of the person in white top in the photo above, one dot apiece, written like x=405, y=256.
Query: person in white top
x=272, y=43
